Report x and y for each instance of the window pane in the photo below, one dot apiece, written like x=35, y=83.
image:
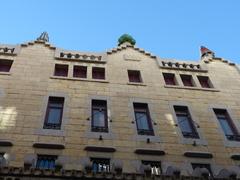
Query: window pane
x=54, y=116
x=46, y=162
x=61, y=70
x=80, y=71
x=184, y=124
x=5, y=65
x=55, y=104
x=226, y=127
x=134, y=76
x=204, y=81
x=169, y=78
x=187, y=80
x=142, y=120
x=98, y=118
x=98, y=73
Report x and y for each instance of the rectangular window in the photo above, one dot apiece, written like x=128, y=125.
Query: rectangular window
x=100, y=165
x=99, y=116
x=54, y=113
x=61, y=70
x=204, y=81
x=187, y=80
x=155, y=167
x=143, y=119
x=46, y=162
x=185, y=122
x=80, y=71
x=98, y=73
x=134, y=76
x=207, y=166
x=169, y=78
x=5, y=65
x=227, y=125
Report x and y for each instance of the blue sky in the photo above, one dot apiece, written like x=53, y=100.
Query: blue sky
x=167, y=28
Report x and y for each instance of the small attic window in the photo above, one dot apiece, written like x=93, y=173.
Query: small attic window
x=134, y=76
x=80, y=71
x=5, y=65
x=61, y=70
x=98, y=73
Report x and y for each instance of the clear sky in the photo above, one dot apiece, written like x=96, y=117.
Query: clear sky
x=166, y=28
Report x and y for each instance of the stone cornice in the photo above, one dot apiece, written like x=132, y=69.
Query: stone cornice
x=125, y=46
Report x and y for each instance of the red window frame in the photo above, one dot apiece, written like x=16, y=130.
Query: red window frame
x=169, y=79
x=187, y=80
x=5, y=65
x=61, y=70
x=98, y=73
x=134, y=76
x=204, y=81
x=80, y=71
x=51, y=102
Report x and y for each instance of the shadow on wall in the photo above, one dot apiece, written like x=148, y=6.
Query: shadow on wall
x=8, y=117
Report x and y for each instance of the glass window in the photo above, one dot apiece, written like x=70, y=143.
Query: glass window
x=143, y=119
x=155, y=167
x=227, y=125
x=185, y=122
x=169, y=78
x=80, y=71
x=98, y=73
x=5, y=65
x=54, y=112
x=61, y=70
x=46, y=162
x=134, y=76
x=100, y=164
x=99, y=116
x=204, y=81
x=187, y=80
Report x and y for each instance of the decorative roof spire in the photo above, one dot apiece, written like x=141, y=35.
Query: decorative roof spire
x=126, y=38
x=43, y=37
x=205, y=51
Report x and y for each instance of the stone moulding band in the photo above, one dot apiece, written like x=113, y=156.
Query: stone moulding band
x=6, y=143
x=48, y=146
x=150, y=152
x=204, y=155
x=100, y=149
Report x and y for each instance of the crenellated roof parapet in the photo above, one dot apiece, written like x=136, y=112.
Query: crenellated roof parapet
x=89, y=57
x=9, y=50
x=182, y=65
x=128, y=45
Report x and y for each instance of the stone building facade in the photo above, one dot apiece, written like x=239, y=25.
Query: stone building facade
x=124, y=113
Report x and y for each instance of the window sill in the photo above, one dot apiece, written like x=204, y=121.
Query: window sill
x=50, y=132
x=5, y=73
x=136, y=84
x=80, y=79
x=191, y=88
